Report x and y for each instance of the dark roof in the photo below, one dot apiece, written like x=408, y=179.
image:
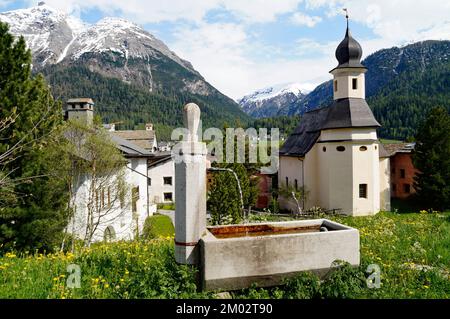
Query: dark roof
x=306, y=133
x=342, y=113
x=349, y=112
x=349, y=52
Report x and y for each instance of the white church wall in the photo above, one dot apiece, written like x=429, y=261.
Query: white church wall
x=366, y=171
x=385, y=185
x=344, y=78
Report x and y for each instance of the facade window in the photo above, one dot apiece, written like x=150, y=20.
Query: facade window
x=168, y=180
x=393, y=171
x=324, y=149
x=407, y=188
x=168, y=197
x=335, y=86
x=394, y=188
x=296, y=185
x=402, y=173
x=134, y=198
x=355, y=84
x=363, y=148
x=287, y=181
x=149, y=181
x=340, y=149
x=362, y=190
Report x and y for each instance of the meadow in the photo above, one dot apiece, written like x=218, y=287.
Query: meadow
x=412, y=251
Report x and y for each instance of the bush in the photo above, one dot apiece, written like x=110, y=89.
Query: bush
x=303, y=286
x=158, y=226
x=343, y=282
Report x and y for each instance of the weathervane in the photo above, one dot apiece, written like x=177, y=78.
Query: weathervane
x=346, y=15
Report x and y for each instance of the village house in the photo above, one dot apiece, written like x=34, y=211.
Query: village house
x=121, y=219
x=161, y=174
x=402, y=169
x=334, y=153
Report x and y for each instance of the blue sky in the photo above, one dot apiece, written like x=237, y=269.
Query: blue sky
x=240, y=46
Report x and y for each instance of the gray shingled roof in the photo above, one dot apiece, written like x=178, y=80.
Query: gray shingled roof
x=343, y=113
x=141, y=138
x=128, y=148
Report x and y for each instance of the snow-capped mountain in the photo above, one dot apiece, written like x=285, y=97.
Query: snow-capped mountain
x=78, y=59
x=55, y=37
x=47, y=31
x=272, y=100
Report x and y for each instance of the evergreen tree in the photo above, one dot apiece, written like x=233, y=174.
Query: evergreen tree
x=35, y=219
x=432, y=159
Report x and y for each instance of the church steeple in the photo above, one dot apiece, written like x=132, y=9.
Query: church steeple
x=349, y=79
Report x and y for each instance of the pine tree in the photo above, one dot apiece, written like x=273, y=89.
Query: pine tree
x=34, y=219
x=432, y=159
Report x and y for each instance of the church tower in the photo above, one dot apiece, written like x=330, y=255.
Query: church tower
x=348, y=144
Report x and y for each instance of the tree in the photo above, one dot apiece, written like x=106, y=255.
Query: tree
x=432, y=159
x=33, y=215
x=94, y=174
x=224, y=199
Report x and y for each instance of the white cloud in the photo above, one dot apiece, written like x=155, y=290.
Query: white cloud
x=151, y=11
x=300, y=18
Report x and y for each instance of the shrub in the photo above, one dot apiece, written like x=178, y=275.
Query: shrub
x=158, y=226
x=343, y=281
x=305, y=285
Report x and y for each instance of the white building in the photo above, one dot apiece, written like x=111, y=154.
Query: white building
x=161, y=174
x=116, y=217
x=334, y=153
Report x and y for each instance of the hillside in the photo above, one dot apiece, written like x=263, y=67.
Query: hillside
x=131, y=75
x=402, y=84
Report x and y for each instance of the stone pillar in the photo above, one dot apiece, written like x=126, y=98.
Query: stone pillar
x=190, y=190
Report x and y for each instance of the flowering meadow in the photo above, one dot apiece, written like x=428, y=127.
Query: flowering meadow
x=412, y=252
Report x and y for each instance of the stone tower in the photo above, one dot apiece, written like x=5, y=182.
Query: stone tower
x=80, y=109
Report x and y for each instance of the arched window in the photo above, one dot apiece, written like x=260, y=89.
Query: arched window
x=109, y=234
x=363, y=148
x=340, y=149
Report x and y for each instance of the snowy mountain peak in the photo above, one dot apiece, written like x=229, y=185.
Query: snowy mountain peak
x=270, y=101
x=54, y=36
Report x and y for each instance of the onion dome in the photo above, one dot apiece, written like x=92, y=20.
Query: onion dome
x=349, y=52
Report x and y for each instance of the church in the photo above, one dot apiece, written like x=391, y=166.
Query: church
x=334, y=155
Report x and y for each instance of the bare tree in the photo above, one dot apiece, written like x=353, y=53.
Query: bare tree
x=96, y=180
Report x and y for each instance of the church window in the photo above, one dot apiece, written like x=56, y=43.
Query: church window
x=340, y=149
x=362, y=190
x=287, y=181
x=296, y=185
x=355, y=84
x=335, y=86
x=363, y=148
x=109, y=234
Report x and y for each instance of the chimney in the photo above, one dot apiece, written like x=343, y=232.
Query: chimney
x=149, y=127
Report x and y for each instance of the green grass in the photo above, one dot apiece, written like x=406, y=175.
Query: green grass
x=412, y=251
x=158, y=226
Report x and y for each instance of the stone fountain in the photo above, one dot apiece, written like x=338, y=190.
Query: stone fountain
x=237, y=256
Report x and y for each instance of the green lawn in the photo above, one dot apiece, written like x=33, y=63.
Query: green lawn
x=158, y=226
x=412, y=250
